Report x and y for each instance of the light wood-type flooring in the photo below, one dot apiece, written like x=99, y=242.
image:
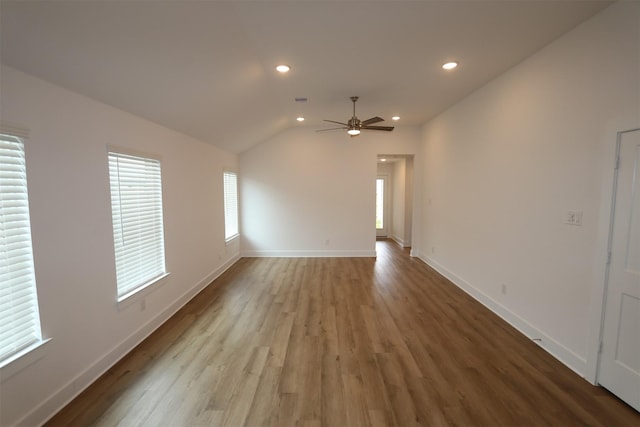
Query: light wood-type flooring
x=381, y=341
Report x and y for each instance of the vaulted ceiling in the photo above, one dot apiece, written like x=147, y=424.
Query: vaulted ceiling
x=207, y=68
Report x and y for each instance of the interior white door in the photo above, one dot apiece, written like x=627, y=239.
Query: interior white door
x=620, y=356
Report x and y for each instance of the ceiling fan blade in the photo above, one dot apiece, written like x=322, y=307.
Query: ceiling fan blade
x=333, y=121
x=372, y=120
x=387, y=128
x=323, y=130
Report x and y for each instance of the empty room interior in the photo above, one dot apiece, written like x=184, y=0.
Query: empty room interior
x=430, y=217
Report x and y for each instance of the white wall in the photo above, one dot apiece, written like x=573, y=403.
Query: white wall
x=301, y=189
x=502, y=168
x=72, y=236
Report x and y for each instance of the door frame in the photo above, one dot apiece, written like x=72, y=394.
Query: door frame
x=594, y=375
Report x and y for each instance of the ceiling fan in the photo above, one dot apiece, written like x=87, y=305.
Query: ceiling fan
x=355, y=125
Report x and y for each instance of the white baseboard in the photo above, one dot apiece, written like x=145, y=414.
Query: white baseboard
x=308, y=254
x=400, y=241
x=77, y=385
x=557, y=350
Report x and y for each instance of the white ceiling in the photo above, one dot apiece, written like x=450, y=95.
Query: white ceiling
x=206, y=68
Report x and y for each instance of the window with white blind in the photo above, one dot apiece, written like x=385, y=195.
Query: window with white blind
x=138, y=232
x=19, y=317
x=230, y=205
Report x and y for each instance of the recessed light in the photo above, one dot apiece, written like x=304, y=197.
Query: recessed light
x=449, y=65
x=395, y=118
x=300, y=119
x=383, y=160
x=283, y=68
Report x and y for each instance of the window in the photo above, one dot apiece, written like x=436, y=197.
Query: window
x=136, y=207
x=19, y=317
x=230, y=205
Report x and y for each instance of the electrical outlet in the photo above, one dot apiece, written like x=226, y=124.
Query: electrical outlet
x=503, y=289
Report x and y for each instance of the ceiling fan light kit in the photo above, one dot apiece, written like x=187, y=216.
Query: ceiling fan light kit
x=355, y=125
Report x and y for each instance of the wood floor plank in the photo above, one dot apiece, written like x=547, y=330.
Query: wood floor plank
x=263, y=411
x=333, y=411
x=404, y=409
x=313, y=342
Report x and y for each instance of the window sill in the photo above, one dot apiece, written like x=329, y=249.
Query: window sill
x=232, y=239
x=23, y=359
x=140, y=293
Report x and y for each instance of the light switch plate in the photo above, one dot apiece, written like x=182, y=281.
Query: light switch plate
x=573, y=218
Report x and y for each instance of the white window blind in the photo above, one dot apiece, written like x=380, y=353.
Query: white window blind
x=19, y=317
x=138, y=232
x=230, y=205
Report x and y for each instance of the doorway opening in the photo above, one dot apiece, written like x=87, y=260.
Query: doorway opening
x=394, y=198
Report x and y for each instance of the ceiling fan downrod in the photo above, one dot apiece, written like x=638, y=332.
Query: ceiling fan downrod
x=354, y=123
x=354, y=99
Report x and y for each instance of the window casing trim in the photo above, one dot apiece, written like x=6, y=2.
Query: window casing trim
x=118, y=149
x=24, y=358
x=139, y=294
